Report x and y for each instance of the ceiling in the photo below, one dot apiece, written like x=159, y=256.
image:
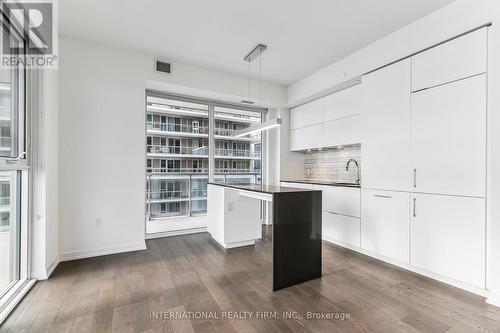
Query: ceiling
x=302, y=35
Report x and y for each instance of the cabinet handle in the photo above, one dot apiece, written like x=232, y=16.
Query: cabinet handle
x=414, y=207
x=415, y=178
x=382, y=196
x=333, y=213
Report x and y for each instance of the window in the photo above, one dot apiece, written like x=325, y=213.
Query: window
x=13, y=181
x=188, y=133
x=240, y=157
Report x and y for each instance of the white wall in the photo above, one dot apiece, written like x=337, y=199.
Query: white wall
x=447, y=22
x=102, y=140
x=292, y=163
x=43, y=103
x=51, y=138
x=456, y=18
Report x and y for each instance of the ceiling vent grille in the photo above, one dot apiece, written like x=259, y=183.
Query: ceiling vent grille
x=163, y=67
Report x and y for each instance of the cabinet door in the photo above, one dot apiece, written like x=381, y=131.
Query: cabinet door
x=449, y=138
x=340, y=200
x=457, y=59
x=385, y=223
x=343, y=131
x=343, y=104
x=448, y=237
x=306, y=138
x=385, y=147
x=341, y=229
x=307, y=114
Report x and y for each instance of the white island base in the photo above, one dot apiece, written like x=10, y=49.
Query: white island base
x=235, y=216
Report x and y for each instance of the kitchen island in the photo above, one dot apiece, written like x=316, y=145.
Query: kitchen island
x=234, y=220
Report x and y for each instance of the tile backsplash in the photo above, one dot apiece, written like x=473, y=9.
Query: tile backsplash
x=329, y=164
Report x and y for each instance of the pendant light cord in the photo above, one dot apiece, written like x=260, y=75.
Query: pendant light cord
x=249, y=79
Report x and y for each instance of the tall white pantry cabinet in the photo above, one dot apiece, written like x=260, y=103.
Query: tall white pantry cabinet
x=425, y=135
x=448, y=149
x=422, y=126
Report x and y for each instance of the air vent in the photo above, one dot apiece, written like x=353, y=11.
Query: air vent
x=163, y=67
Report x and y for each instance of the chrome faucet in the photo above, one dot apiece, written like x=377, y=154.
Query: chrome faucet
x=358, y=179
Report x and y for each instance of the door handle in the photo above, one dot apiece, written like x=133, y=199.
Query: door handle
x=15, y=159
x=414, y=207
x=382, y=196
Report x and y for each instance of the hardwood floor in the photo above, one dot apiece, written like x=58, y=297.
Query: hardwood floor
x=122, y=293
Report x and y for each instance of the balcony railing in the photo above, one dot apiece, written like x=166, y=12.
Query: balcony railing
x=5, y=142
x=164, y=195
x=231, y=133
x=176, y=150
x=224, y=131
x=190, y=198
x=198, y=193
x=235, y=115
x=236, y=153
x=4, y=201
x=180, y=212
x=166, y=127
x=235, y=171
x=177, y=170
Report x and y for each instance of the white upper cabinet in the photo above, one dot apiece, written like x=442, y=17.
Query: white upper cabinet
x=307, y=114
x=343, y=104
x=345, y=131
x=385, y=148
x=449, y=138
x=459, y=58
x=306, y=138
x=448, y=236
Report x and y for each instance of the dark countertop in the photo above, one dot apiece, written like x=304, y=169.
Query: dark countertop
x=270, y=189
x=319, y=182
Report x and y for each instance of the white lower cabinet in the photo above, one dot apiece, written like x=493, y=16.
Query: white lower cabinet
x=341, y=200
x=341, y=229
x=448, y=236
x=385, y=223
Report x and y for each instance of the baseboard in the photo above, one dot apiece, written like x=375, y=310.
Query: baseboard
x=44, y=275
x=52, y=267
x=408, y=267
x=493, y=299
x=176, y=233
x=39, y=275
x=74, y=255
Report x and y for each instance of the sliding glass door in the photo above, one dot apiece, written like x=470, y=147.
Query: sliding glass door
x=188, y=140
x=10, y=230
x=13, y=181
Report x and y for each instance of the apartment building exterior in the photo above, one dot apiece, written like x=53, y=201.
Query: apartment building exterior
x=178, y=162
x=6, y=102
